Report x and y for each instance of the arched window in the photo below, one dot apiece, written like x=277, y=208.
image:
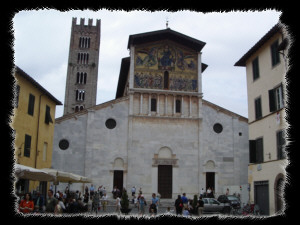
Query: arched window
x=80, y=95
x=87, y=58
x=84, y=79
x=166, y=80
x=78, y=78
x=89, y=42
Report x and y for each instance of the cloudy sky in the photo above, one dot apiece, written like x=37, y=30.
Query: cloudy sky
x=42, y=41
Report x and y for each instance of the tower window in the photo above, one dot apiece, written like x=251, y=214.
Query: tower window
x=80, y=95
x=83, y=58
x=81, y=78
x=84, y=42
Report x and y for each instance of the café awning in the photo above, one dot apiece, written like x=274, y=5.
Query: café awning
x=30, y=173
x=66, y=177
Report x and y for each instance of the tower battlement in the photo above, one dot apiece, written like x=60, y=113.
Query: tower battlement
x=82, y=22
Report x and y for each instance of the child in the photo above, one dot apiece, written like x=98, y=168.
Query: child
x=185, y=212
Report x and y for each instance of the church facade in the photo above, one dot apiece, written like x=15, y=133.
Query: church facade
x=158, y=134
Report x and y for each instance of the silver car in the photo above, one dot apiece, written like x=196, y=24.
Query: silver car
x=211, y=205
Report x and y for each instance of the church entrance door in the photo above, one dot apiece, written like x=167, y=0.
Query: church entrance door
x=118, y=179
x=165, y=181
x=210, y=180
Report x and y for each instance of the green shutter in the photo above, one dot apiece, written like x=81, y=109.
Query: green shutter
x=255, y=68
x=27, y=145
x=31, y=104
x=252, y=151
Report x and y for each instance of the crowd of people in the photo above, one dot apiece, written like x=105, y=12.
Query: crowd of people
x=71, y=202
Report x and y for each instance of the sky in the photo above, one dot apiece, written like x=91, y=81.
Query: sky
x=42, y=39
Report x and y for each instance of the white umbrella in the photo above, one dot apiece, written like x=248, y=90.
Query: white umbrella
x=26, y=172
x=66, y=177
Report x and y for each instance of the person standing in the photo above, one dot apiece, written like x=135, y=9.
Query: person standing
x=227, y=191
x=51, y=202
x=178, y=205
x=184, y=200
x=92, y=191
x=154, y=202
x=201, y=192
x=118, y=205
x=104, y=202
x=133, y=189
x=95, y=202
x=26, y=205
x=142, y=204
x=39, y=202
x=200, y=205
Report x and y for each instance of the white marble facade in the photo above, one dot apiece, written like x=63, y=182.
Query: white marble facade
x=141, y=141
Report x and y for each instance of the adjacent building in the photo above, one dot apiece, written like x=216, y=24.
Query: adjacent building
x=265, y=66
x=158, y=134
x=33, y=124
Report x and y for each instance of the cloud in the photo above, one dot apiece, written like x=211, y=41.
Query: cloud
x=43, y=39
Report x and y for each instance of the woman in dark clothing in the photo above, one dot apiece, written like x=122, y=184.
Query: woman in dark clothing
x=178, y=205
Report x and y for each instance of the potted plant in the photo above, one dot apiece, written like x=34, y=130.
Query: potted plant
x=125, y=203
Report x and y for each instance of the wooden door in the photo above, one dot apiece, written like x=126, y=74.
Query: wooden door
x=118, y=179
x=165, y=179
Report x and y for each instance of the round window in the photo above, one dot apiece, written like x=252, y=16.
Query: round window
x=63, y=144
x=218, y=128
x=110, y=123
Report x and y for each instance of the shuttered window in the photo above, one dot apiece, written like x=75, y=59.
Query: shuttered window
x=258, y=111
x=280, y=139
x=276, y=98
x=31, y=104
x=256, y=151
x=27, y=145
x=17, y=96
x=48, y=118
x=275, y=53
x=255, y=68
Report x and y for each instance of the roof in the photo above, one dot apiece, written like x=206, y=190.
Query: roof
x=165, y=34
x=125, y=64
x=225, y=111
x=242, y=61
x=37, y=85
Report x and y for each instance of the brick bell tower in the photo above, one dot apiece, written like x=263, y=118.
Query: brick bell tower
x=82, y=72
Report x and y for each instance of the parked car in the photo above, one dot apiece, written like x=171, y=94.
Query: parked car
x=231, y=199
x=212, y=205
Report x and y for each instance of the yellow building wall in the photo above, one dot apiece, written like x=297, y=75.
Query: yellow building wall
x=34, y=126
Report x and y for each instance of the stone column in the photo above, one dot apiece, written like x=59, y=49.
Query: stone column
x=149, y=105
x=157, y=107
x=141, y=103
x=166, y=104
x=190, y=107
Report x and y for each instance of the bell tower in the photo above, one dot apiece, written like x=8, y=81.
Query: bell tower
x=82, y=72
